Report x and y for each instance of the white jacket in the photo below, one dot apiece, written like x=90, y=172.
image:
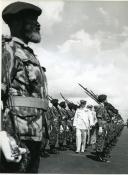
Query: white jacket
x=92, y=118
x=81, y=119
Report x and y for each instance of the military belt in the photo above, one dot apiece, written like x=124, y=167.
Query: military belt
x=32, y=102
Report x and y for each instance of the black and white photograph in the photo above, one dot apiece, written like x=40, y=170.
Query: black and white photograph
x=64, y=87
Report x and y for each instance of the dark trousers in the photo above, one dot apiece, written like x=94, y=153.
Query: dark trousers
x=34, y=148
x=29, y=164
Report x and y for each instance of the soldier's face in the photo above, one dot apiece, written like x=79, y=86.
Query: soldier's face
x=32, y=29
x=83, y=105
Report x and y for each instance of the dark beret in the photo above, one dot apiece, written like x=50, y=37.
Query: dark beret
x=82, y=102
x=75, y=107
x=54, y=101
x=12, y=10
x=90, y=106
x=62, y=104
x=102, y=98
x=70, y=105
x=95, y=107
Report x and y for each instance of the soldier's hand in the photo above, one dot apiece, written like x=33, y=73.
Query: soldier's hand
x=22, y=150
x=16, y=159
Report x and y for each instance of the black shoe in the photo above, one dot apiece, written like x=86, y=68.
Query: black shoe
x=77, y=152
x=106, y=160
x=102, y=159
x=108, y=156
x=53, y=151
x=44, y=154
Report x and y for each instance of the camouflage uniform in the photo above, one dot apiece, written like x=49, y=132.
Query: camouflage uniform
x=53, y=128
x=70, y=132
x=24, y=94
x=63, y=129
x=101, y=138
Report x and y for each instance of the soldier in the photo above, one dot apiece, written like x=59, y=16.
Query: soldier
x=111, y=128
x=102, y=116
x=64, y=126
x=70, y=133
x=24, y=85
x=54, y=126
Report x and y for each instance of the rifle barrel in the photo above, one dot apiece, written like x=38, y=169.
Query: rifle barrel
x=64, y=98
x=89, y=93
x=50, y=97
x=94, y=94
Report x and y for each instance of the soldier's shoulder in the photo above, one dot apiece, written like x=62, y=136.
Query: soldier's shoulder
x=7, y=48
x=6, y=38
x=100, y=108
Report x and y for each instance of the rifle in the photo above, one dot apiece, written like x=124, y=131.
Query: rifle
x=94, y=94
x=65, y=98
x=90, y=93
x=50, y=98
x=67, y=102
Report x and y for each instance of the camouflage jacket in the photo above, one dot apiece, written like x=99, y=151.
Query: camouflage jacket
x=102, y=115
x=24, y=90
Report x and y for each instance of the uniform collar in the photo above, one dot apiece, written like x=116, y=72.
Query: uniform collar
x=24, y=45
x=18, y=40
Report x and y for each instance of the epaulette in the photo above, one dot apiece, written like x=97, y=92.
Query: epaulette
x=6, y=38
x=44, y=69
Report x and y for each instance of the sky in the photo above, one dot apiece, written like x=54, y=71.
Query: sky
x=84, y=42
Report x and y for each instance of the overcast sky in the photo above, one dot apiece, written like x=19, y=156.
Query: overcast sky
x=84, y=42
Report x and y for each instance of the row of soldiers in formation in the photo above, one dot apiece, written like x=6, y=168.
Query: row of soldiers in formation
x=60, y=133
x=24, y=99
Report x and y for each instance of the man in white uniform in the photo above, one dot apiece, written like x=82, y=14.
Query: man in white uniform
x=81, y=123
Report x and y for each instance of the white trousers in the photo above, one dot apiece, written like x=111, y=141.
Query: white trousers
x=81, y=135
